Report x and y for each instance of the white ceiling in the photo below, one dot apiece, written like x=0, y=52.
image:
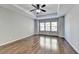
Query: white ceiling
x=51, y=9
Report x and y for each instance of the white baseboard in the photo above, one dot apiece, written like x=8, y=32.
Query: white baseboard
x=73, y=46
x=15, y=40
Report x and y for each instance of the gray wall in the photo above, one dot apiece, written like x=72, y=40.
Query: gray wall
x=36, y=27
x=61, y=26
x=14, y=26
x=72, y=27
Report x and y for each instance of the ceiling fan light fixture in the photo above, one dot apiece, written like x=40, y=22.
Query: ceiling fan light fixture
x=38, y=8
x=38, y=11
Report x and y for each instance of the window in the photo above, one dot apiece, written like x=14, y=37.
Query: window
x=53, y=26
x=42, y=27
x=47, y=26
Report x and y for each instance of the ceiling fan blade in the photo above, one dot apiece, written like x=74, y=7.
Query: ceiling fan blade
x=38, y=6
x=32, y=10
x=43, y=10
x=43, y=5
x=34, y=6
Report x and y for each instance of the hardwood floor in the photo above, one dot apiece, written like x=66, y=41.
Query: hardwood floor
x=39, y=44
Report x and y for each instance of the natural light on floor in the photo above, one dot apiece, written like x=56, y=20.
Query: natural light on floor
x=48, y=43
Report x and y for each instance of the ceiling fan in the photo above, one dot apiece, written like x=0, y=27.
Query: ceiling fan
x=38, y=8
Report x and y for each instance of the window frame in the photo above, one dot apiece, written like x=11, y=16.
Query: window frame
x=40, y=26
x=50, y=26
x=47, y=26
x=54, y=26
